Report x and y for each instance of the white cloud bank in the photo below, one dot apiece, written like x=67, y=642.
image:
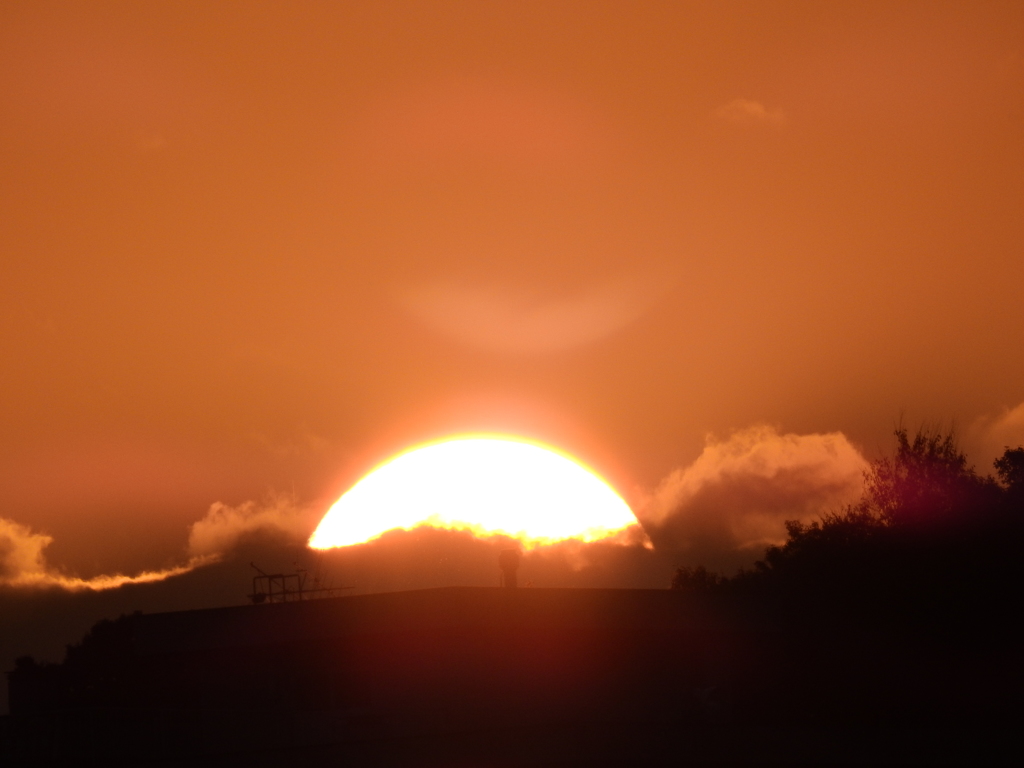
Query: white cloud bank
x=733, y=501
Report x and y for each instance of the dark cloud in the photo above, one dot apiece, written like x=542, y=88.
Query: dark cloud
x=428, y=557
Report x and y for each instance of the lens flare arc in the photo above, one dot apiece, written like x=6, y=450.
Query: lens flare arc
x=484, y=484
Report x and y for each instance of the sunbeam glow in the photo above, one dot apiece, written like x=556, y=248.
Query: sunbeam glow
x=487, y=485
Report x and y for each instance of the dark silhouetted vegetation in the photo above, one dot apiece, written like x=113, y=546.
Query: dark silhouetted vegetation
x=926, y=517
x=1010, y=469
x=899, y=609
x=698, y=579
x=925, y=512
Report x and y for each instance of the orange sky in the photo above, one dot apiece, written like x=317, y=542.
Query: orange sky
x=258, y=246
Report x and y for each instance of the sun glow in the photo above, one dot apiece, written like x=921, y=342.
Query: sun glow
x=487, y=485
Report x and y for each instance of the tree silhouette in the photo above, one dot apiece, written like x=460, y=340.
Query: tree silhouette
x=927, y=480
x=1010, y=468
x=698, y=579
x=927, y=522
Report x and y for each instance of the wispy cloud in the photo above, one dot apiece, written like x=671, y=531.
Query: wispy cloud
x=749, y=112
x=23, y=562
x=504, y=319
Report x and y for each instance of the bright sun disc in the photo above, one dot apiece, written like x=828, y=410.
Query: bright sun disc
x=487, y=485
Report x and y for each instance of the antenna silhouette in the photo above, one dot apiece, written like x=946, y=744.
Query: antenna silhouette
x=289, y=587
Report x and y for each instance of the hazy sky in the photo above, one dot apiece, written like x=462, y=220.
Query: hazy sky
x=251, y=247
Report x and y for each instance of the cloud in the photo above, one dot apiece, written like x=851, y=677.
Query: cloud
x=427, y=557
x=23, y=564
x=989, y=436
x=499, y=318
x=23, y=561
x=733, y=501
x=223, y=526
x=721, y=511
x=748, y=112
x=1008, y=429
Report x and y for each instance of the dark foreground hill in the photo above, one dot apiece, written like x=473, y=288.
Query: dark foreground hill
x=471, y=676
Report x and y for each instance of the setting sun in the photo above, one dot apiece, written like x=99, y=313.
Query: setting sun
x=487, y=485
